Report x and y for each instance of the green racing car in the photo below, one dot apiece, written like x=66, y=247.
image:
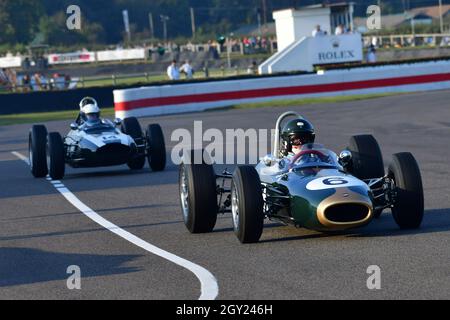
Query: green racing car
x=310, y=187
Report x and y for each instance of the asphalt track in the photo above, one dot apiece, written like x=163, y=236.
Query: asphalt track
x=41, y=233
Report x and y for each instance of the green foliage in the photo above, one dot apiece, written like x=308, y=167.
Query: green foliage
x=56, y=33
x=19, y=20
x=22, y=20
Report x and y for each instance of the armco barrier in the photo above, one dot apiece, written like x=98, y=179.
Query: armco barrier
x=179, y=98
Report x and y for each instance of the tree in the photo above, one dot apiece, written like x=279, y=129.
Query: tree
x=19, y=20
x=102, y=22
x=55, y=31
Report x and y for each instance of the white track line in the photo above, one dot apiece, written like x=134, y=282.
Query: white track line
x=21, y=157
x=209, y=286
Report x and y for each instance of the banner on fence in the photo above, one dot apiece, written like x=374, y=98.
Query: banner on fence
x=10, y=62
x=118, y=55
x=74, y=57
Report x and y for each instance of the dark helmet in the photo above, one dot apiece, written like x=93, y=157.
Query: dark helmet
x=298, y=132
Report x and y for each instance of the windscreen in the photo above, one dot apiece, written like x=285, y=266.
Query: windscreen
x=315, y=155
x=99, y=129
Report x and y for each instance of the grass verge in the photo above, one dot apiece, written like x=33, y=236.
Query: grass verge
x=300, y=102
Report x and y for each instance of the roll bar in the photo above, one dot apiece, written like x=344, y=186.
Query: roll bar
x=85, y=99
x=276, y=146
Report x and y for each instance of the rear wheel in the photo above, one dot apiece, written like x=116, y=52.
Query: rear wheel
x=198, y=196
x=37, y=144
x=367, y=160
x=130, y=126
x=56, y=162
x=156, y=148
x=408, y=209
x=247, y=204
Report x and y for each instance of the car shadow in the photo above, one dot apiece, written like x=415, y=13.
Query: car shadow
x=230, y=229
x=22, y=266
x=118, y=171
x=17, y=176
x=436, y=220
x=106, y=174
x=74, y=213
x=73, y=232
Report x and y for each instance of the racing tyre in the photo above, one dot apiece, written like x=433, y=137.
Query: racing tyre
x=198, y=196
x=37, y=144
x=247, y=205
x=367, y=160
x=131, y=127
x=409, y=204
x=56, y=159
x=156, y=148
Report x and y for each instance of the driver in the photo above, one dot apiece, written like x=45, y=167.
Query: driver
x=89, y=112
x=295, y=134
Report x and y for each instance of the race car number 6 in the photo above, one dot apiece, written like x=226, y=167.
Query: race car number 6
x=333, y=182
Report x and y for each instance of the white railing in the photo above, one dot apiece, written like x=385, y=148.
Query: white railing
x=408, y=40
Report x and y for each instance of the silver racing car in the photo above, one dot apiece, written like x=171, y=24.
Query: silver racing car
x=104, y=143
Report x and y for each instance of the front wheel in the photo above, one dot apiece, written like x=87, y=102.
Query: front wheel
x=198, y=197
x=37, y=152
x=156, y=151
x=408, y=208
x=131, y=127
x=247, y=204
x=56, y=155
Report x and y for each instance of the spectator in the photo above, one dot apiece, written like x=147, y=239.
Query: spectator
x=187, y=69
x=12, y=77
x=351, y=31
x=339, y=30
x=53, y=83
x=4, y=80
x=173, y=72
x=26, y=83
x=445, y=41
x=374, y=41
x=39, y=82
x=26, y=64
x=372, y=54
x=253, y=68
x=317, y=32
x=67, y=81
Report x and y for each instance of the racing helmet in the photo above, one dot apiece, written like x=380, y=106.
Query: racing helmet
x=296, y=133
x=89, y=110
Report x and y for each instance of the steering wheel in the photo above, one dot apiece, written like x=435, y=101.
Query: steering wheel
x=305, y=152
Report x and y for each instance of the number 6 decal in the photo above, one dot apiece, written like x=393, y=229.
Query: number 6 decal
x=334, y=182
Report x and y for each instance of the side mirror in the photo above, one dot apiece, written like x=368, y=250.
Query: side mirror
x=345, y=158
x=74, y=126
x=117, y=122
x=268, y=160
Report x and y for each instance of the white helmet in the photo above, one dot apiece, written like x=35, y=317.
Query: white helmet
x=90, y=110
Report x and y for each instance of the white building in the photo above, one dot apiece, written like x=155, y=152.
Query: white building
x=292, y=24
x=298, y=50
